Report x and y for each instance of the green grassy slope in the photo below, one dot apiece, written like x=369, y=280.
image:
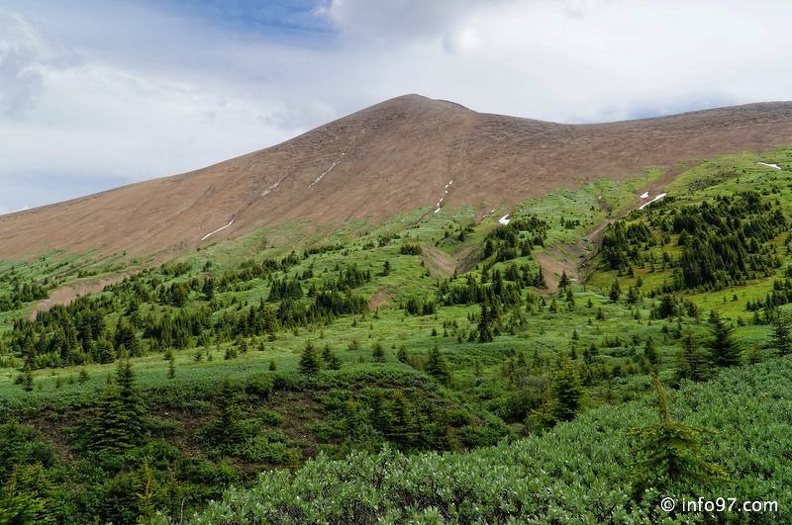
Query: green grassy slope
x=432, y=331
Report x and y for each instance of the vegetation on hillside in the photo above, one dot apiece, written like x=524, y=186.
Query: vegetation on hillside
x=374, y=373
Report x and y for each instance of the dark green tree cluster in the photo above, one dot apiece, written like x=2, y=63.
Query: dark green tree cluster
x=723, y=242
x=516, y=239
x=21, y=292
x=74, y=334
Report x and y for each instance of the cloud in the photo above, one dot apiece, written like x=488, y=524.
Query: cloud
x=24, y=53
x=396, y=19
x=121, y=91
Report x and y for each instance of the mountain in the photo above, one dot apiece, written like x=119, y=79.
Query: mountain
x=393, y=157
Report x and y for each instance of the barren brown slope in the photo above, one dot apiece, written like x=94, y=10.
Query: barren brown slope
x=390, y=158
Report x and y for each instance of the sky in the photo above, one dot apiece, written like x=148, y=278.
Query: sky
x=95, y=94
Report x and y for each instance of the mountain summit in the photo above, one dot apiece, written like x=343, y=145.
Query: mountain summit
x=393, y=157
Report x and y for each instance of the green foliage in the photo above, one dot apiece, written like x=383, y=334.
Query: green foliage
x=576, y=473
x=309, y=361
x=199, y=434
x=567, y=392
x=410, y=249
x=670, y=451
x=378, y=352
x=436, y=366
x=782, y=337
x=723, y=241
x=723, y=349
x=330, y=358
x=692, y=363
x=120, y=421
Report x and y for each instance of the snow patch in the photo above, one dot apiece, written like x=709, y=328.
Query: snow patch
x=774, y=166
x=272, y=187
x=328, y=170
x=221, y=228
x=504, y=220
x=653, y=200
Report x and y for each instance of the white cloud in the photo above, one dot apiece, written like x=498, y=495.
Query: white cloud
x=119, y=91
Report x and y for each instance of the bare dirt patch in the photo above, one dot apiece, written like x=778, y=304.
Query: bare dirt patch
x=438, y=262
x=67, y=294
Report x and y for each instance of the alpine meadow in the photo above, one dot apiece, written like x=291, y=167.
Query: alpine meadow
x=414, y=314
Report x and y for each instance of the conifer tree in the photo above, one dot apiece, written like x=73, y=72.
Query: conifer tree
x=484, y=327
x=782, y=335
x=669, y=451
x=227, y=429
x=436, y=366
x=402, y=427
x=691, y=361
x=309, y=362
x=615, y=291
x=650, y=352
x=120, y=419
x=378, y=352
x=567, y=392
x=724, y=350
x=330, y=358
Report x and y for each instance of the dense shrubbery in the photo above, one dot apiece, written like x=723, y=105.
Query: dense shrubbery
x=722, y=243
x=583, y=471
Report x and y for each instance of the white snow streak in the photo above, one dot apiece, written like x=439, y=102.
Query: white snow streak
x=445, y=192
x=272, y=187
x=651, y=201
x=774, y=166
x=328, y=170
x=221, y=228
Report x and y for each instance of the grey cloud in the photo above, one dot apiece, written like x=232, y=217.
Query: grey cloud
x=399, y=19
x=24, y=53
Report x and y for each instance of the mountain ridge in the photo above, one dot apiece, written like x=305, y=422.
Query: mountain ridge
x=396, y=156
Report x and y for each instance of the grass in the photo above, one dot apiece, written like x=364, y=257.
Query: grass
x=489, y=381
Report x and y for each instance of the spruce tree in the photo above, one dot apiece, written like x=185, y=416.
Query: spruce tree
x=436, y=366
x=309, y=362
x=567, y=392
x=782, y=336
x=227, y=429
x=402, y=428
x=615, y=291
x=691, y=361
x=378, y=352
x=563, y=282
x=723, y=349
x=330, y=358
x=484, y=326
x=120, y=416
x=669, y=451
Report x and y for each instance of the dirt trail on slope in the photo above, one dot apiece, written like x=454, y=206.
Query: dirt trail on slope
x=576, y=259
